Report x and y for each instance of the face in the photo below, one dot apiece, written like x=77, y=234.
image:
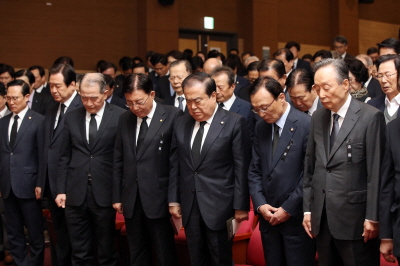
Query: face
x=317, y=59
x=5, y=78
x=373, y=71
x=288, y=64
x=160, y=69
x=16, y=101
x=264, y=99
x=340, y=48
x=110, y=91
x=252, y=76
x=224, y=91
x=331, y=94
x=388, y=82
x=91, y=98
x=202, y=56
x=386, y=50
x=139, y=102
x=244, y=57
x=374, y=56
x=294, y=52
x=138, y=70
x=301, y=97
x=2, y=102
x=39, y=81
x=354, y=85
x=176, y=75
x=272, y=73
x=59, y=90
x=109, y=71
x=201, y=106
x=127, y=72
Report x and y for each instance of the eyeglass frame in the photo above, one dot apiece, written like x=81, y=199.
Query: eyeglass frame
x=263, y=109
x=136, y=104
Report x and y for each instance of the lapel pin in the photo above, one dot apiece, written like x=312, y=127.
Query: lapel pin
x=30, y=117
x=291, y=129
x=222, y=122
x=160, y=120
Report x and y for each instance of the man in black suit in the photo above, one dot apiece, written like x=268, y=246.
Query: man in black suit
x=389, y=194
x=111, y=98
x=62, y=84
x=286, y=56
x=178, y=70
x=389, y=46
x=141, y=173
x=276, y=175
x=300, y=89
x=224, y=80
x=340, y=44
x=388, y=69
x=294, y=47
x=21, y=150
x=84, y=184
x=40, y=86
x=210, y=154
x=342, y=172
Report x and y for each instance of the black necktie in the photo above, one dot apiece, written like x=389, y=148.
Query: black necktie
x=335, y=130
x=142, y=133
x=222, y=105
x=61, y=115
x=276, y=138
x=180, y=100
x=196, y=147
x=14, y=130
x=92, y=130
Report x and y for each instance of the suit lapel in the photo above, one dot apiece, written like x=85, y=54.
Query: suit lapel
x=189, y=126
x=215, y=128
x=107, y=115
x=348, y=123
x=26, y=122
x=326, y=125
x=267, y=145
x=131, y=126
x=156, y=122
x=82, y=126
x=235, y=106
x=5, y=131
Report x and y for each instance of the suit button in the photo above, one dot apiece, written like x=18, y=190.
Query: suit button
x=195, y=173
x=11, y=153
x=269, y=178
x=329, y=170
x=136, y=180
x=138, y=163
x=323, y=191
x=91, y=156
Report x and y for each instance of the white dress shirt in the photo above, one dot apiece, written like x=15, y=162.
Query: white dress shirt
x=98, y=117
x=30, y=99
x=67, y=104
x=228, y=104
x=21, y=116
x=392, y=105
x=281, y=121
x=176, y=102
x=39, y=90
x=341, y=112
x=3, y=112
x=148, y=120
x=206, y=128
x=314, y=106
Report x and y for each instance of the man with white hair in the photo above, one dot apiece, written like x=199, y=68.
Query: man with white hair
x=373, y=86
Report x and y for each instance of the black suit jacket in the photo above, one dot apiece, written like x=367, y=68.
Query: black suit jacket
x=244, y=93
x=46, y=89
x=243, y=108
x=379, y=102
x=145, y=173
x=171, y=101
x=119, y=102
x=303, y=64
x=19, y=167
x=78, y=159
x=374, y=89
x=163, y=87
x=41, y=102
x=390, y=186
x=345, y=180
x=219, y=179
x=53, y=140
x=241, y=82
x=277, y=179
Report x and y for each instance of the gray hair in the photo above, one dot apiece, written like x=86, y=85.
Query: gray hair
x=188, y=66
x=366, y=58
x=341, y=69
x=94, y=79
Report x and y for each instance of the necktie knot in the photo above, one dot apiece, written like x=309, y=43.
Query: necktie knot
x=202, y=124
x=144, y=119
x=62, y=106
x=276, y=128
x=16, y=118
x=92, y=115
x=335, y=117
x=180, y=99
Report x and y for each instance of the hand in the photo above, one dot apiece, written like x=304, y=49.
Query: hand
x=38, y=192
x=267, y=211
x=307, y=225
x=280, y=216
x=240, y=216
x=371, y=230
x=60, y=200
x=118, y=207
x=387, y=250
x=175, y=211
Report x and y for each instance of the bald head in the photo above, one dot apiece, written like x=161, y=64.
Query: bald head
x=211, y=64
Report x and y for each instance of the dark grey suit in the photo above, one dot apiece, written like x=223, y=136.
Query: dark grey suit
x=341, y=187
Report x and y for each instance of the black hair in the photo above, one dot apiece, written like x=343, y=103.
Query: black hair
x=26, y=73
x=18, y=82
x=137, y=82
x=291, y=44
x=323, y=54
x=203, y=78
x=66, y=70
x=39, y=68
x=358, y=69
x=268, y=83
x=64, y=60
x=273, y=64
x=300, y=76
x=390, y=43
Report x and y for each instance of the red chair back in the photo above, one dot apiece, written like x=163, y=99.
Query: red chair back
x=255, y=252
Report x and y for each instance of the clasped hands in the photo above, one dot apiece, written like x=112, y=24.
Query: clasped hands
x=273, y=215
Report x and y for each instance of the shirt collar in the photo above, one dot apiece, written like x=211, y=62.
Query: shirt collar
x=367, y=82
x=395, y=99
x=209, y=121
x=343, y=110
x=99, y=113
x=282, y=120
x=313, y=106
x=153, y=109
x=228, y=104
x=69, y=101
x=343, y=55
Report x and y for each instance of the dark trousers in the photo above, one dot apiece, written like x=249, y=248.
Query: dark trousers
x=335, y=252
x=91, y=225
x=144, y=234
x=4, y=245
x=20, y=213
x=287, y=250
x=207, y=247
x=63, y=245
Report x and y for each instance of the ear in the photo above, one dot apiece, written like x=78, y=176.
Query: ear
x=346, y=84
x=233, y=86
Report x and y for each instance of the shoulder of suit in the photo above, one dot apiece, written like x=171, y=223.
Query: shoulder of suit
x=302, y=117
x=377, y=100
x=116, y=109
x=33, y=114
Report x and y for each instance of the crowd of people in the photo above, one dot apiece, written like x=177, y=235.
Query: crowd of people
x=310, y=142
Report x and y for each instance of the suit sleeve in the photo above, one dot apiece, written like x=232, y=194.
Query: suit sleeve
x=241, y=151
x=40, y=143
x=375, y=144
x=309, y=165
x=65, y=158
x=174, y=175
x=387, y=193
x=118, y=168
x=255, y=175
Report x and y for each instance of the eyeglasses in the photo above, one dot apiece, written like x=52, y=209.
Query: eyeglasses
x=14, y=98
x=172, y=78
x=386, y=75
x=138, y=104
x=263, y=109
